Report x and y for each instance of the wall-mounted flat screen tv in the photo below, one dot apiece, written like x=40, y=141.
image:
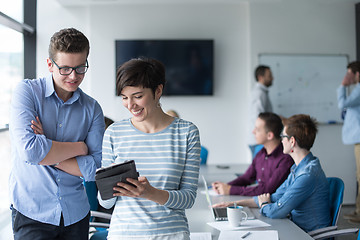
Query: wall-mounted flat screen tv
x=189, y=64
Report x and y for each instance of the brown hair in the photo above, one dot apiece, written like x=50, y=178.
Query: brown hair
x=140, y=72
x=273, y=123
x=354, y=66
x=260, y=71
x=303, y=128
x=68, y=40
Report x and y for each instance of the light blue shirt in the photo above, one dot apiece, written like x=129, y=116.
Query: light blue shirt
x=170, y=160
x=304, y=195
x=39, y=192
x=351, y=127
x=260, y=102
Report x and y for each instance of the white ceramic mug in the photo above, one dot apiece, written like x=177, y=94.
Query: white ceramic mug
x=235, y=215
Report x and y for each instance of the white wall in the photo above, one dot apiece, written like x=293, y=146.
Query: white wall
x=241, y=31
x=179, y=22
x=220, y=118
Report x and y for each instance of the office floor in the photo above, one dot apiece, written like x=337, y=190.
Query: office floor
x=5, y=226
x=343, y=223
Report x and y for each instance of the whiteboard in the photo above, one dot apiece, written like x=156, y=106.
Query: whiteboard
x=306, y=83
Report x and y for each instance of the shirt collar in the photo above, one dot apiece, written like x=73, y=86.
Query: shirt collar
x=303, y=163
x=50, y=90
x=49, y=86
x=262, y=87
x=277, y=150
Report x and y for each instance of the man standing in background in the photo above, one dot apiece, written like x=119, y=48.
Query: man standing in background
x=260, y=102
x=351, y=127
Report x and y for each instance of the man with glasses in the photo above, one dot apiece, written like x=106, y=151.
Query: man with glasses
x=56, y=134
x=269, y=168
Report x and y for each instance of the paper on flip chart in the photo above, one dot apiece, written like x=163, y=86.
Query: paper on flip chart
x=254, y=235
x=225, y=225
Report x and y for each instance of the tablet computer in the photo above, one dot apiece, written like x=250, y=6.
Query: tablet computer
x=106, y=178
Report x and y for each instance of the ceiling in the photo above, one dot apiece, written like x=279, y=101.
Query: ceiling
x=112, y=2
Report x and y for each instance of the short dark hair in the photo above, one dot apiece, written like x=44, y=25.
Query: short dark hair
x=260, y=71
x=273, y=123
x=354, y=66
x=303, y=128
x=140, y=72
x=68, y=40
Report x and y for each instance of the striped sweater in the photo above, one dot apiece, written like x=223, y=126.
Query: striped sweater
x=170, y=160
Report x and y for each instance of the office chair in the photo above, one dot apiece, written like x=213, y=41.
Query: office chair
x=336, y=233
x=203, y=155
x=336, y=186
x=101, y=228
x=98, y=229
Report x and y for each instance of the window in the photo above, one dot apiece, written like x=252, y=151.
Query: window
x=17, y=37
x=11, y=68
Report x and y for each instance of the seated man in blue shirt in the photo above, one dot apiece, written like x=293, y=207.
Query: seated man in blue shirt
x=304, y=196
x=56, y=133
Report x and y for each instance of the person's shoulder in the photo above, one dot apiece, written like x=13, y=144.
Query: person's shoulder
x=313, y=165
x=33, y=82
x=31, y=86
x=120, y=123
x=356, y=88
x=312, y=168
x=256, y=87
x=85, y=96
x=183, y=123
x=87, y=100
x=118, y=126
x=261, y=155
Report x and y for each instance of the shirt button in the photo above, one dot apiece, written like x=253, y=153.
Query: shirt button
x=262, y=169
x=259, y=180
x=60, y=198
x=59, y=180
x=266, y=158
x=279, y=204
x=60, y=125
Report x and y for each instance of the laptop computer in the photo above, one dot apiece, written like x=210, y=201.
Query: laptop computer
x=220, y=214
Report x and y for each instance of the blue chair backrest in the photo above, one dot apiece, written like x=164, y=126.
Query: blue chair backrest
x=336, y=197
x=91, y=192
x=99, y=235
x=203, y=155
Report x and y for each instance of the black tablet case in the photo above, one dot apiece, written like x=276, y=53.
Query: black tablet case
x=107, y=178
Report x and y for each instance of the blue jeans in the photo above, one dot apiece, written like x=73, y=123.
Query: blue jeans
x=25, y=228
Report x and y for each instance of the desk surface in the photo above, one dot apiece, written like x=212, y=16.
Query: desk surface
x=200, y=214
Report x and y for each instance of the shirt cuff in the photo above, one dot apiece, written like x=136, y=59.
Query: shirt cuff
x=256, y=200
x=86, y=168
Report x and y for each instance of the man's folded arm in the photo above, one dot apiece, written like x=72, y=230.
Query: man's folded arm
x=61, y=151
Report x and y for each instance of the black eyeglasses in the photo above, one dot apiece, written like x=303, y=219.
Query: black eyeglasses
x=68, y=70
x=283, y=136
